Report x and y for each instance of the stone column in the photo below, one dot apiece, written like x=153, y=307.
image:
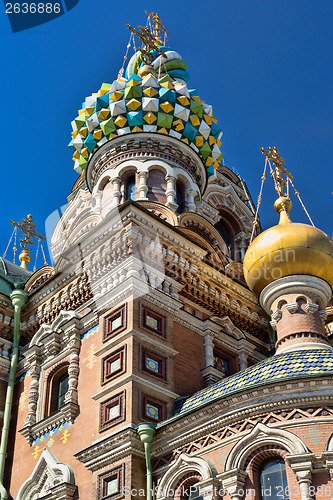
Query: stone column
x=143, y=188
x=116, y=191
x=171, y=192
x=209, y=351
x=34, y=363
x=233, y=482
x=191, y=207
x=98, y=203
x=242, y=240
x=301, y=464
x=242, y=358
x=73, y=371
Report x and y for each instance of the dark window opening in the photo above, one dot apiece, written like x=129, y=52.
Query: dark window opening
x=62, y=388
x=227, y=237
x=193, y=493
x=130, y=188
x=273, y=480
x=180, y=197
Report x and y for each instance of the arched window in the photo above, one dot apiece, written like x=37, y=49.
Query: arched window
x=130, y=188
x=227, y=237
x=57, y=386
x=180, y=196
x=62, y=388
x=273, y=480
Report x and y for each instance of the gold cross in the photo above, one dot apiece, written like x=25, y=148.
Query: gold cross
x=273, y=155
x=159, y=28
x=28, y=228
x=149, y=43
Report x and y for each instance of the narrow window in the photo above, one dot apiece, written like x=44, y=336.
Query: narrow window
x=180, y=197
x=62, y=388
x=273, y=480
x=130, y=188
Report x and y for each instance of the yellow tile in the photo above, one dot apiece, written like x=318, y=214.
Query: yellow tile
x=120, y=121
x=166, y=106
x=208, y=119
x=104, y=114
x=97, y=134
x=83, y=132
x=76, y=156
x=183, y=100
x=195, y=120
x=84, y=152
x=150, y=118
x=178, y=125
x=199, y=140
x=150, y=92
x=133, y=104
x=74, y=133
x=89, y=111
x=116, y=96
x=137, y=129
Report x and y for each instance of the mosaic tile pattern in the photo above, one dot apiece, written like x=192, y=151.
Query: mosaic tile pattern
x=22, y=377
x=156, y=105
x=152, y=322
x=44, y=438
x=152, y=364
x=152, y=411
x=279, y=367
x=90, y=332
x=112, y=486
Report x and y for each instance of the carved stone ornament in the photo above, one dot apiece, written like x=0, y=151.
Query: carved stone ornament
x=49, y=480
x=183, y=466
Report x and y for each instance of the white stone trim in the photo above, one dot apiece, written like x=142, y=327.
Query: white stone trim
x=49, y=475
x=183, y=465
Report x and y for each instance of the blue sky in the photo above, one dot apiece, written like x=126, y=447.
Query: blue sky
x=266, y=67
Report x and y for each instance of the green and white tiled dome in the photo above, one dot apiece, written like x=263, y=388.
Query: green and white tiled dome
x=134, y=104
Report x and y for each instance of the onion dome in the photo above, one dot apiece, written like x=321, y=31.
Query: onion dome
x=147, y=103
x=288, y=249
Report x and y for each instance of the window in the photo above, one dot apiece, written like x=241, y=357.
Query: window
x=193, y=493
x=180, y=196
x=111, y=484
x=227, y=237
x=153, y=321
x=56, y=389
x=113, y=365
x=273, y=480
x=153, y=410
x=130, y=188
x=115, y=322
x=153, y=364
x=62, y=388
x=224, y=362
x=112, y=411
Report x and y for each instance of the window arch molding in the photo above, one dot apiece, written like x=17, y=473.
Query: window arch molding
x=185, y=467
x=298, y=457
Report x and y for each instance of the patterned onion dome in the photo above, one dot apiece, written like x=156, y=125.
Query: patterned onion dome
x=287, y=249
x=162, y=105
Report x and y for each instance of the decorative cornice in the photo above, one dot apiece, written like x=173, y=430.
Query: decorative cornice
x=111, y=449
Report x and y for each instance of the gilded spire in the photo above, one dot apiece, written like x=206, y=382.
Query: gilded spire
x=283, y=204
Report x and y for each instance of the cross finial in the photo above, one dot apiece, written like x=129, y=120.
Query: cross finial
x=149, y=38
x=280, y=183
x=28, y=229
x=159, y=27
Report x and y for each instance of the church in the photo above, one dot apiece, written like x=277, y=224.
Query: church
x=173, y=350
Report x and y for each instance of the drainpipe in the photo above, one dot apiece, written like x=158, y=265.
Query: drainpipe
x=147, y=432
x=18, y=298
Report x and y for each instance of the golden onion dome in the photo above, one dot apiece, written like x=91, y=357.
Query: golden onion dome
x=288, y=249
